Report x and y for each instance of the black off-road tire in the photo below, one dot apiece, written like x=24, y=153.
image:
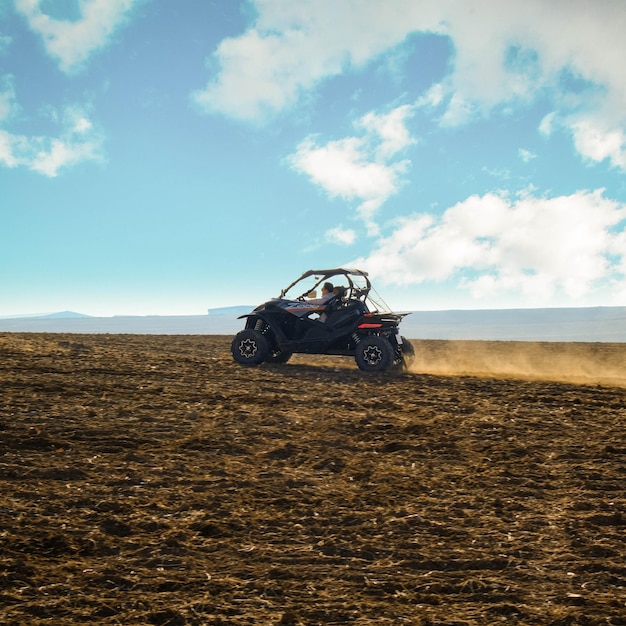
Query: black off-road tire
x=374, y=354
x=250, y=347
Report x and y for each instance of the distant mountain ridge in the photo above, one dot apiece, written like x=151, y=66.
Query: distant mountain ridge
x=64, y=315
x=57, y=315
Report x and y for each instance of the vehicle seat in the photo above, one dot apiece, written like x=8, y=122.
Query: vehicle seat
x=345, y=312
x=334, y=304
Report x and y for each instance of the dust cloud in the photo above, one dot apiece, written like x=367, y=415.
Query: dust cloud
x=581, y=363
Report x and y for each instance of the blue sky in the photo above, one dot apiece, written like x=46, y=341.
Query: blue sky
x=162, y=158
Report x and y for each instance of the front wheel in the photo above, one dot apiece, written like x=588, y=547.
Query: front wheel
x=249, y=347
x=373, y=354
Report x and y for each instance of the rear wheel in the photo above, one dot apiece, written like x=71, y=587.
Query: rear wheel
x=250, y=347
x=373, y=354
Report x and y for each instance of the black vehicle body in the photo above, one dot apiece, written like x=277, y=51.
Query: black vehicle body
x=356, y=323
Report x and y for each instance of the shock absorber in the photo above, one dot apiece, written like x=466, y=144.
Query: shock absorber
x=259, y=325
x=355, y=337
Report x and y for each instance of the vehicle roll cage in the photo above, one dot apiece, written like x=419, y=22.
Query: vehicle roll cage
x=353, y=290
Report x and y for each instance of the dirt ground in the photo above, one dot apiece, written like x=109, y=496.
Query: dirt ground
x=151, y=480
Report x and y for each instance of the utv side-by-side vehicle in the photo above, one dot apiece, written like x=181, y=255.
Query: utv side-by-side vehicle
x=354, y=322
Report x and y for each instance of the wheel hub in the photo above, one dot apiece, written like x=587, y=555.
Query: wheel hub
x=372, y=355
x=247, y=348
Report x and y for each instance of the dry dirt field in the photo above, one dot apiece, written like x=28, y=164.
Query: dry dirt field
x=151, y=480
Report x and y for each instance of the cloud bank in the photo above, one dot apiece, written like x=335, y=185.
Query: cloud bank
x=505, y=54
x=496, y=246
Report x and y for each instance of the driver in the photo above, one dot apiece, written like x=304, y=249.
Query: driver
x=327, y=294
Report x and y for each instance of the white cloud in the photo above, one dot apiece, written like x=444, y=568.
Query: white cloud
x=342, y=168
x=547, y=124
x=391, y=130
x=8, y=104
x=597, y=142
x=595, y=137
x=493, y=246
x=294, y=45
x=7, y=149
x=359, y=168
x=340, y=235
x=505, y=53
x=77, y=141
x=513, y=51
x=526, y=155
x=72, y=42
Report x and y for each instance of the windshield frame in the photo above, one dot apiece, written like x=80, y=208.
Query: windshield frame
x=358, y=287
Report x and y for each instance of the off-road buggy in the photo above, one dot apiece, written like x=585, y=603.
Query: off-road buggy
x=354, y=323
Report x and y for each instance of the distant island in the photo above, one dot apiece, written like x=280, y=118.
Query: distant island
x=231, y=310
